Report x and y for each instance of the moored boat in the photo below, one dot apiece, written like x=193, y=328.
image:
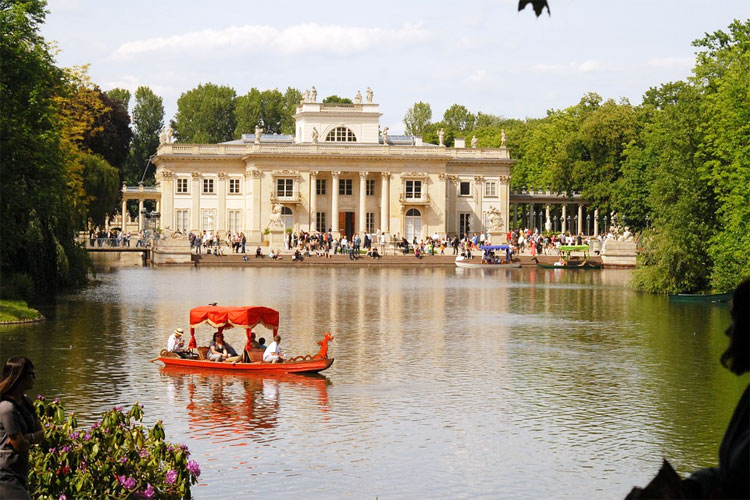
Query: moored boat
x=489, y=259
x=571, y=264
x=700, y=297
x=248, y=318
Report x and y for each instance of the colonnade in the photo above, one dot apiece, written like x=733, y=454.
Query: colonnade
x=558, y=217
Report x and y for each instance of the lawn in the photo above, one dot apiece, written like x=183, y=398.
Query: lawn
x=16, y=310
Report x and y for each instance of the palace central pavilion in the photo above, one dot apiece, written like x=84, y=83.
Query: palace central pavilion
x=338, y=172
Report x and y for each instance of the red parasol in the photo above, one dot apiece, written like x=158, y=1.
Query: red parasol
x=247, y=317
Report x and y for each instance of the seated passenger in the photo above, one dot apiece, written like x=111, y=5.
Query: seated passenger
x=262, y=343
x=176, y=345
x=220, y=350
x=273, y=352
x=253, y=343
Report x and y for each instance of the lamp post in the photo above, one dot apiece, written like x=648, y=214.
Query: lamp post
x=588, y=224
x=605, y=224
x=541, y=221
x=569, y=223
x=578, y=228
x=526, y=218
x=531, y=226
x=555, y=219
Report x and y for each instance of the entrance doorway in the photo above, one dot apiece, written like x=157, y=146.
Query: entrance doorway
x=346, y=224
x=287, y=218
x=413, y=225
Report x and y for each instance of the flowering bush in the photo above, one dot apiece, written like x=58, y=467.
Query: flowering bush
x=115, y=458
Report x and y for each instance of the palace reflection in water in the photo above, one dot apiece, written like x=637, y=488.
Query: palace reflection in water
x=447, y=382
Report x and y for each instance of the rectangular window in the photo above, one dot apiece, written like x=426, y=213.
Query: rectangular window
x=345, y=187
x=182, y=185
x=209, y=219
x=413, y=189
x=285, y=187
x=320, y=221
x=370, y=222
x=370, y=183
x=183, y=219
x=208, y=186
x=464, y=188
x=320, y=186
x=464, y=223
x=490, y=189
x=234, y=186
x=234, y=221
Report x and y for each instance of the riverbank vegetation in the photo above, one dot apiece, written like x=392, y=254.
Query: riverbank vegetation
x=16, y=310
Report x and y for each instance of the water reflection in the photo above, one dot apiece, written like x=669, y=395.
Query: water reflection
x=230, y=408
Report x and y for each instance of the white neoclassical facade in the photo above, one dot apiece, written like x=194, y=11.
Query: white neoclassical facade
x=338, y=172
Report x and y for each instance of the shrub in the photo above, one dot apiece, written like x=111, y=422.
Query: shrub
x=116, y=457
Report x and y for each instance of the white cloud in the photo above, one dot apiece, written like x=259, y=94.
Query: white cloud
x=298, y=39
x=477, y=76
x=132, y=83
x=571, y=67
x=671, y=62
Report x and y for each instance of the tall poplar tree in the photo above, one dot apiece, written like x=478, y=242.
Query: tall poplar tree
x=148, y=120
x=205, y=115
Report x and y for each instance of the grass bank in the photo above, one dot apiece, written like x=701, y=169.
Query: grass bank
x=16, y=310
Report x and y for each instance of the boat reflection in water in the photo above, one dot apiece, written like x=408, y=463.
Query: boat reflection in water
x=238, y=406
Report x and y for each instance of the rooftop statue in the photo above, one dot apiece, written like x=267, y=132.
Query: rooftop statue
x=258, y=133
x=385, y=136
x=502, y=138
x=369, y=95
x=441, y=137
x=358, y=98
x=315, y=135
x=474, y=142
x=314, y=94
x=162, y=137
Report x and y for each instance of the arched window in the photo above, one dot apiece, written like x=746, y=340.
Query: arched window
x=413, y=225
x=287, y=217
x=341, y=134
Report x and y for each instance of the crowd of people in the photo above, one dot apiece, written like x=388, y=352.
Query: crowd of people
x=116, y=238
x=221, y=351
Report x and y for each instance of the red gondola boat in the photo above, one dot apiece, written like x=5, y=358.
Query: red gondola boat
x=248, y=318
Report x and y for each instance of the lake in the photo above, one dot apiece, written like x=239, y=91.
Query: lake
x=448, y=383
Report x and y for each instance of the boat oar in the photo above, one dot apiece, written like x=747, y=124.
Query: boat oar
x=152, y=360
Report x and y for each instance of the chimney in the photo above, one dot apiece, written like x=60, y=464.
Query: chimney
x=417, y=140
x=459, y=142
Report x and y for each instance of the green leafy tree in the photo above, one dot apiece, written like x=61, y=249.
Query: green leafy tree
x=417, y=118
x=35, y=204
x=148, y=120
x=458, y=118
x=110, y=134
x=292, y=97
x=268, y=109
x=122, y=95
x=334, y=99
x=205, y=115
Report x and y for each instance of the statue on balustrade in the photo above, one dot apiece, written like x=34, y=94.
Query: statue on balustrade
x=369, y=95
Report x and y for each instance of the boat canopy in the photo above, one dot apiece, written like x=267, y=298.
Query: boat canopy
x=574, y=248
x=247, y=317
x=495, y=247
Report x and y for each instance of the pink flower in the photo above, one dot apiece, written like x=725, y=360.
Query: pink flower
x=171, y=476
x=193, y=467
x=148, y=492
x=127, y=482
x=63, y=497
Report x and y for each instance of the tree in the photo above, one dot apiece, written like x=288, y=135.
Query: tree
x=417, y=118
x=205, y=114
x=334, y=99
x=268, y=109
x=111, y=134
x=35, y=203
x=101, y=181
x=148, y=120
x=292, y=97
x=458, y=118
x=122, y=95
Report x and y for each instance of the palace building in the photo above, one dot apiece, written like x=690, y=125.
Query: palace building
x=338, y=172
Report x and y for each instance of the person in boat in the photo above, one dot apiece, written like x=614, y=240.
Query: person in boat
x=176, y=345
x=273, y=352
x=262, y=343
x=19, y=427
x=220, y=350
x=560, y=262
x=254, y=344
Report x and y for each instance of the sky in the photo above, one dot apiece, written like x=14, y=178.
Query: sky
x=483, y=54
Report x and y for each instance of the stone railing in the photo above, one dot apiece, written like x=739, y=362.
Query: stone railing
x=424, y=199
x=276, y=198
x=334, y=149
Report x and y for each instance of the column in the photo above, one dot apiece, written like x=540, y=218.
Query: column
x=158, y=205
x=580, y=218
x=564, y=225
x=335, y=203
x=140, y=214
x=596, y=222
x=385, y=202
x=314, y=202
x=515, y=216
x=221, y=224
x=196, y=199
x=124, y=212
x=361, y=224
